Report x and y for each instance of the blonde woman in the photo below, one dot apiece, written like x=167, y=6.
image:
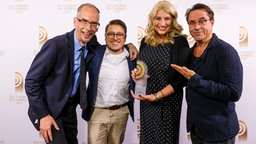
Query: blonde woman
x=160, y=108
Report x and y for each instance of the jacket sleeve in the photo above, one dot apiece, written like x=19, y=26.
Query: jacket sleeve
x=35, y=79
x=228, y=82
x=181, y=57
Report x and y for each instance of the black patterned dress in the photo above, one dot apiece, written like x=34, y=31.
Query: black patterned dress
x=159, y=120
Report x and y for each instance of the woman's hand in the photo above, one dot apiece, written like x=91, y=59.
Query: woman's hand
x=149, y=98
x=133, y=74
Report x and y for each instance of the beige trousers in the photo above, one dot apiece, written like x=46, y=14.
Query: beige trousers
x=107, y=126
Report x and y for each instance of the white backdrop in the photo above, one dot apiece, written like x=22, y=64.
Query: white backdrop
x=26, y=24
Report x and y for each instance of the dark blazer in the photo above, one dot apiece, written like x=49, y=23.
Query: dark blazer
x=49, y=81
x=95, y=59
x=211, y=93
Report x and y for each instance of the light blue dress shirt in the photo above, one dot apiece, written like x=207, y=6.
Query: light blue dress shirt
x=77, y=60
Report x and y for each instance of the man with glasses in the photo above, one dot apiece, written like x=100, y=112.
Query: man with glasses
x=53, y=84
x=214, y=82
x=110, y=82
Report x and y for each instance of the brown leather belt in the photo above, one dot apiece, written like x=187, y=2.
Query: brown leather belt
x=115, y=107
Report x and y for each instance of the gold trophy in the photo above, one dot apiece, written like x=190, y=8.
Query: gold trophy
x=141, y=79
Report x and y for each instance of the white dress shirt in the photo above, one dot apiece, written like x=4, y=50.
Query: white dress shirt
x=113, y=83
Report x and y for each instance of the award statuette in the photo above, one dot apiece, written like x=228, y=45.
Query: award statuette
x=141, y=80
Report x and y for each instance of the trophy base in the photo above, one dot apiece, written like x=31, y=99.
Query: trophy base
x=139, y=90
x=141, y=85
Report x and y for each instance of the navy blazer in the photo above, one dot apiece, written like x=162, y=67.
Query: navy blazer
x=211, y=93
x=94, y=59
x=49, y=81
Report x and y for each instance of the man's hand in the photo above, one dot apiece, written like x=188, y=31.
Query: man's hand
x=45, y=127
x=133, y=51
x=187, y=73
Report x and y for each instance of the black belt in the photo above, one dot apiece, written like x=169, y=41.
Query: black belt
x=115, y=107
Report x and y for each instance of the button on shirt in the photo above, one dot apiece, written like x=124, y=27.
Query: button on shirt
x=114, y=77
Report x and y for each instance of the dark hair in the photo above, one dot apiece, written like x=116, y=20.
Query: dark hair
x=89, y=5
x=117, y=22
x=200, y=6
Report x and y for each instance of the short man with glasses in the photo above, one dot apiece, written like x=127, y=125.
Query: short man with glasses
x=215, y=81
x=53, y=84
x=110, y=82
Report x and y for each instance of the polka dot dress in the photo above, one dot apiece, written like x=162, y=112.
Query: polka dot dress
x=159, y=120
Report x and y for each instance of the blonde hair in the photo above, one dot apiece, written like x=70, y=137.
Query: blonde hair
x=176, y=29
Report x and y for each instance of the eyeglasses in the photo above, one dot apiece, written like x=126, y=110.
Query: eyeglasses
x=199, y=22
x=85, y=22
x=112, y=35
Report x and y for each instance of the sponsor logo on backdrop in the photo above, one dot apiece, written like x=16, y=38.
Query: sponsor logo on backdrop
x=219, y=6
x=67, y=6
x=19, y=82
x=43, y=37
x=117, y=6
x=19, y=96
x=141, y=34
x=18, y=6
x=244, y=55
x=245, y=52
x=242, y=134
x=243, y=37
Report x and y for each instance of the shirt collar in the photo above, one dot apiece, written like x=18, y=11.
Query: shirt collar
x=77, y=45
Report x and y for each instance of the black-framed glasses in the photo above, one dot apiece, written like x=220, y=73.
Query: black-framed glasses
x=199, y=22
x=118, y=35
x=85, y=22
